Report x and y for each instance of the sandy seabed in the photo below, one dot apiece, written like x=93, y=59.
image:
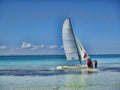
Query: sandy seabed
x=60, y=82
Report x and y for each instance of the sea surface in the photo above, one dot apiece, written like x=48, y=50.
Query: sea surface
x=40, y=73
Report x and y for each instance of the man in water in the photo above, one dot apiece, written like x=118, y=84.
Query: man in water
x=95, y=63
x=89, y=63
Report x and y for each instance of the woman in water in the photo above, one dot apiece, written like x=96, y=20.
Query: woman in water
x=89, y=63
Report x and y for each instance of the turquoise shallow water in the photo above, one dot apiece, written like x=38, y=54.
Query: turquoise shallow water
x=40, y=73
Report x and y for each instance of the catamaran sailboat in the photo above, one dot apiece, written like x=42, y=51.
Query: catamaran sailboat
x=72, y=47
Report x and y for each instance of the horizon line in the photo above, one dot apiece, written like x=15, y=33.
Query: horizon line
x=54, y=55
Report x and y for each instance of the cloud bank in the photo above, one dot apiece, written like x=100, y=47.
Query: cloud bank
x=26, y=45
x=27, y=48
x=3, y=47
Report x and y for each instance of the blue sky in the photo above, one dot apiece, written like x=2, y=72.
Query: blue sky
x=35, y=26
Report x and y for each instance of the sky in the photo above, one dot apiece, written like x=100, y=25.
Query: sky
x=34, y=27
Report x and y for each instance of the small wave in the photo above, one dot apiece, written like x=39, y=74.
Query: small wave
x=114, y=69
x=35, y=72
x=48, y=72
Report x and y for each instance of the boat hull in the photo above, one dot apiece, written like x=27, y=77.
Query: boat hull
x=72, y=67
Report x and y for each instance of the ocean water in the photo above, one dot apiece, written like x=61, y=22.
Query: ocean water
x=40, y=73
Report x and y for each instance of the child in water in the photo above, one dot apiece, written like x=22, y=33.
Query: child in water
x=95, y=63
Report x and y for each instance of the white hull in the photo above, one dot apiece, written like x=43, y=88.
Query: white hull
x=72, y=67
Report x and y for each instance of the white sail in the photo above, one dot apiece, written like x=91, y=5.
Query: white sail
x=69, y=43
x=83, y=53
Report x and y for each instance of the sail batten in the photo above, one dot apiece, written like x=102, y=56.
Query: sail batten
x=69, y=43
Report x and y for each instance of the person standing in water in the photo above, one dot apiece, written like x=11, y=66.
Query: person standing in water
x=95, y=63
x=89, y=63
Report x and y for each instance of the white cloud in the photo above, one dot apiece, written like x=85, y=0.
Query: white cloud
x=3, y=47
x=52, y=46
x=38, y=47
x=26, y=45
x=35, y=47
x=42, y=46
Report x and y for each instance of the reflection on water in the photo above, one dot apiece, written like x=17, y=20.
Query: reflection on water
x=34, y=73
x=69, y=80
